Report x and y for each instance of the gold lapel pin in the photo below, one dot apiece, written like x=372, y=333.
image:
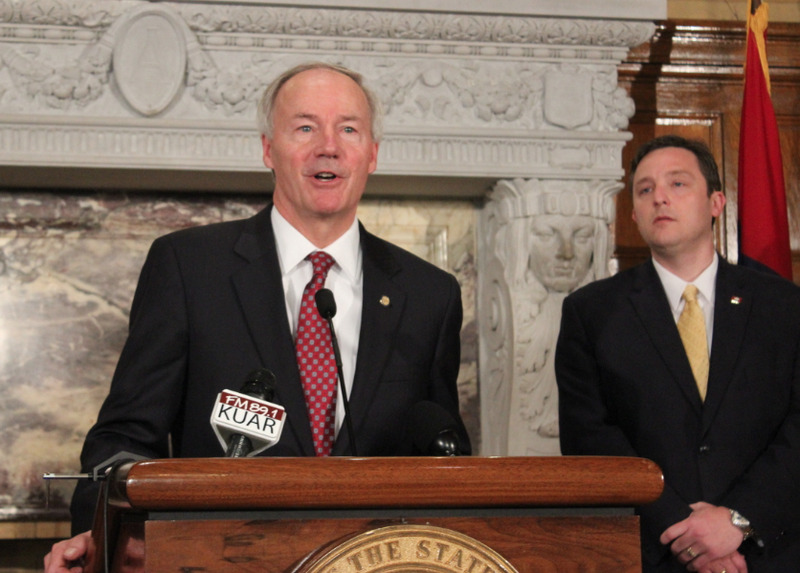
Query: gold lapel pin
x=385, y=300
x=735, y=300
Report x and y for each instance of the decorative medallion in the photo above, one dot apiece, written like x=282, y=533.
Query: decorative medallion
x=150, y=61
x=408, y=549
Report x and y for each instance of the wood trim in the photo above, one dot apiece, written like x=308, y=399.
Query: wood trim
x=716, y=44
x=331, y=483
x=530, y=545
x=559, y=541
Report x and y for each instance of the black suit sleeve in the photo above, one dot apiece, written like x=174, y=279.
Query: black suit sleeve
x=447, y=361
x=147, y=388
x=768, y=493
x=588, y=426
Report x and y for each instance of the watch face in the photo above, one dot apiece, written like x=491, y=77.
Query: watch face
x=739, y=520
x=742, y=523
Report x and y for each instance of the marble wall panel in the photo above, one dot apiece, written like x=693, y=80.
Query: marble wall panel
x=68, y=269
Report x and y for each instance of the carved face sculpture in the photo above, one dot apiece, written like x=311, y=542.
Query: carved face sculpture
x=561, y=250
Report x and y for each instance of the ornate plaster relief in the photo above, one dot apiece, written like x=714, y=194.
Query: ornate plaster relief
x=136, y=84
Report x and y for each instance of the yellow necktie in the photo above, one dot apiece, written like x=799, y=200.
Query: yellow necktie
x=692, y=328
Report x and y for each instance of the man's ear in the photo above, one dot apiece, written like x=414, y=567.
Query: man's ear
x=718, y=201
x=373, y=162
x=266, y=146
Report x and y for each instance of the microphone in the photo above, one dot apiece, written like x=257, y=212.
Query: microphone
x=248, y=422
x=432, y=430
x=326, y=305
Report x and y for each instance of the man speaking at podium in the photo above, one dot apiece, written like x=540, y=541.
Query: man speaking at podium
x=217, y=301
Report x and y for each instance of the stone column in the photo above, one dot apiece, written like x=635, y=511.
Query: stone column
x=539, y=239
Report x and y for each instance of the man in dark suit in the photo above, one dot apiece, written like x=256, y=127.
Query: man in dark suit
x=215, y=302
x=695, y=364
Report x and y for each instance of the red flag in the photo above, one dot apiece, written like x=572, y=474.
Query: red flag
x=763, y=218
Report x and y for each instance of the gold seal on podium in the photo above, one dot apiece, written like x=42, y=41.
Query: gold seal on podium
x=406, y=549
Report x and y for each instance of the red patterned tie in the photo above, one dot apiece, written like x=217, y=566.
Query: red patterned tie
x=315, y=358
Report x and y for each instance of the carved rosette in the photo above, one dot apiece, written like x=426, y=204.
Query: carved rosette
x=540, y=240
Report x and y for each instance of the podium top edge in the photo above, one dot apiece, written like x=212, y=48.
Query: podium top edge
x=400, y=482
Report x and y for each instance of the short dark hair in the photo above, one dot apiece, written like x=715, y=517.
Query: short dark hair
x=706, y=161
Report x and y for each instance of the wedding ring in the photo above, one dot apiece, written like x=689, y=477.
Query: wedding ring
x=690, y=552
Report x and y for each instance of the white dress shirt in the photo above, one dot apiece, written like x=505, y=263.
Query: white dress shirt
x=345, y=280
x=706, y=286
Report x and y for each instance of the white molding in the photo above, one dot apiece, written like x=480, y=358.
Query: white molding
x=494, y=156
x=577, y=28
x=123, y=146
x=623, y=9
x=139, y=143
x=466, y=95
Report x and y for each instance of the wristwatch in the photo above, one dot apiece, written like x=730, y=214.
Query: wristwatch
x=743, y=523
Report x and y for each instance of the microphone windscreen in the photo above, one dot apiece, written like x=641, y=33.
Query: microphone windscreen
x=260, y=383
x=326, y=304
x=426, y=422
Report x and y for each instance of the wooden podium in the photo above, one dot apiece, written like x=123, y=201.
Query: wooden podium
x=377, y=515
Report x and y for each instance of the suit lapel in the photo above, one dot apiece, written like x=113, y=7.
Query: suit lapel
x=379, y=323
x=259, y=289
x=651, y=305
x=732, y=303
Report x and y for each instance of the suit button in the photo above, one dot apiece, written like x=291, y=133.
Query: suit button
x=705, y=449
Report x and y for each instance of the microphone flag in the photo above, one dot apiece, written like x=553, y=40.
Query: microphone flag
x=259, y=420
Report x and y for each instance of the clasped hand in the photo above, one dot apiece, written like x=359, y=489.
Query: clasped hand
x=707, y=541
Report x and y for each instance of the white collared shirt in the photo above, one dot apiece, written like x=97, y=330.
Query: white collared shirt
x=706, y=286
x=345, y=280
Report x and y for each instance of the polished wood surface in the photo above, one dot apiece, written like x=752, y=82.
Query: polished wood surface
x=688, y=80
x=328, y=483
x=716, y=47
x=196, y=532
x=531, y=545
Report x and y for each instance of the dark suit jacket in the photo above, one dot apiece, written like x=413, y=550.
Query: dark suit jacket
x=626, y=388
x=209, y=307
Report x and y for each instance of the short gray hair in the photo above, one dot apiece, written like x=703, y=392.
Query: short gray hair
x=266, y=106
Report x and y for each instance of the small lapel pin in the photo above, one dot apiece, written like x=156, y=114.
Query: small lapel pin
x=735, y=300
x=385, y=300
